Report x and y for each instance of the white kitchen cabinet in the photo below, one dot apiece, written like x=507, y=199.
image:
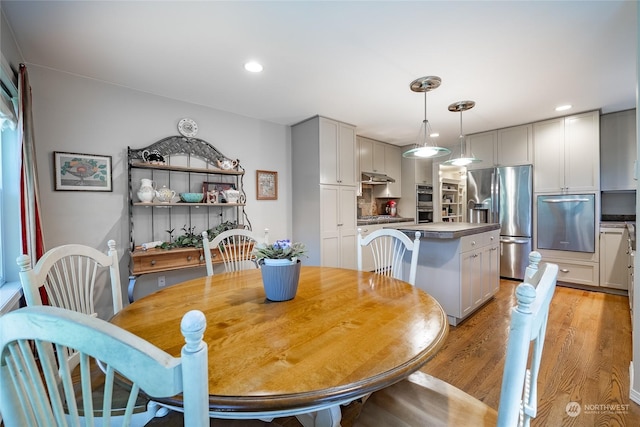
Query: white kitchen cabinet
x=324, y=215
x=469, y=266
x=338, y=226
x=503, y=147
x=423, y=171
x=337, y=152
x=371, y=154
x=618, y=151
x=515, y=146
x=614, y=257
x=393, y=168
x=483, y=146
x=567, y=154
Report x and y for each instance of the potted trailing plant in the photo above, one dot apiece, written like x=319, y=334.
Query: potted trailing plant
x=280, y=267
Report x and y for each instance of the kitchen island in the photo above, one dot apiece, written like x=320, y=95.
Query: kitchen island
x=459, y=264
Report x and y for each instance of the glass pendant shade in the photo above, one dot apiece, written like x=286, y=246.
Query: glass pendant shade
x=463, y=160
x=424, y=148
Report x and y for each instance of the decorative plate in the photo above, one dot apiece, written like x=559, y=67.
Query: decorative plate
x=188, y=128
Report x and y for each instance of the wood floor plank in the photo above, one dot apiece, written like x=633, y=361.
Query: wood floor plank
x=585, y=360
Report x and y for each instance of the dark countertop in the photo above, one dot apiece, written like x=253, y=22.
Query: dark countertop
x=383, y=219
x=449, y=230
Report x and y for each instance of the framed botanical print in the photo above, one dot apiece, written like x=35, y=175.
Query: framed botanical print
x=267, y=185
x=81, y=172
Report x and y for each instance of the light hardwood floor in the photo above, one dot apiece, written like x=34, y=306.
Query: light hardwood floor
x=585, y=358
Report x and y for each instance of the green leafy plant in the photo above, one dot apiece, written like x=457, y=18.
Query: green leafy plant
x=281, y=249
x=192, y=240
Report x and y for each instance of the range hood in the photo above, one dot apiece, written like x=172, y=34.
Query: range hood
x=376, y=178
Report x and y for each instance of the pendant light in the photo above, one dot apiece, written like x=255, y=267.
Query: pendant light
x=463, y=160
x=424, y=148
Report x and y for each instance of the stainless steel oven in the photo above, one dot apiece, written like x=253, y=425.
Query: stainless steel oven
x=424, y=196
x=424, y=215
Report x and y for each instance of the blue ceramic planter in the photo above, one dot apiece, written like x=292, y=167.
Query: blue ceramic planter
x=280, y=281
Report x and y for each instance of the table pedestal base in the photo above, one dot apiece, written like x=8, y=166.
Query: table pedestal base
x=329, y=417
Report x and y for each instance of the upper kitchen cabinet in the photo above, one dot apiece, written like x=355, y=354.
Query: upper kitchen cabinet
x=337, y=145
x=567, y=154
x=483, y=146
x=515, y=146
x=618, y=150
x=371, y=155
x=503, y=147
x=380, y=157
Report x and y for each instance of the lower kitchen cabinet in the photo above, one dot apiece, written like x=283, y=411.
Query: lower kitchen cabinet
x=614, y=258
x=461, y=274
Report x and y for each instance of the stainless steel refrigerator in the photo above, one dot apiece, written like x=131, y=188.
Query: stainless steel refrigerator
x=505, y=195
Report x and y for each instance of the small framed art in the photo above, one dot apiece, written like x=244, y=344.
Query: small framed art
x=82, y=172
x=267, y=185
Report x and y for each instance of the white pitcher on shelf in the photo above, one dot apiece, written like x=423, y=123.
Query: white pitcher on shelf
x=147, y=190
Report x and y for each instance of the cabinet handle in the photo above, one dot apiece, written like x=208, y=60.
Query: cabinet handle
x=474, y=256
x=189, y=258
x=473, y=243
x=339, y=225
x=153, y=262
x=494, y=249
x=564, y=270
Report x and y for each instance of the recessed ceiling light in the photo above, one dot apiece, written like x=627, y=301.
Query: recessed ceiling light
x=253, y=67
x=563, y=107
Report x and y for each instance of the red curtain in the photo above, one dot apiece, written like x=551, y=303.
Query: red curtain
x=32, y=234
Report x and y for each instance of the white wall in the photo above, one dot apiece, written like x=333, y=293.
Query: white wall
x=81, y=115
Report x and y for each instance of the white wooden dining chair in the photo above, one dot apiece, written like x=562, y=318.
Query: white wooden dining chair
x=38, y=388
x=71, y=276
x=388, y=247
x=423, y=400
x=235, y=247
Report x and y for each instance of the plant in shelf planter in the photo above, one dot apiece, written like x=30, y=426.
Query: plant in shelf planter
x=192, y=240
x=280, y=268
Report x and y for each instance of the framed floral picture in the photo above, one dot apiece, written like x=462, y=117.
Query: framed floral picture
x=82, y=172
x=267, y=185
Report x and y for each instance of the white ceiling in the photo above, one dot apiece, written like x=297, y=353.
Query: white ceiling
x=352, y=61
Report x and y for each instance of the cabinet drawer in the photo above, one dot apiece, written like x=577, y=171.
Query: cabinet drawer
x=154, y=260
x=584, y=274
x=474, y=241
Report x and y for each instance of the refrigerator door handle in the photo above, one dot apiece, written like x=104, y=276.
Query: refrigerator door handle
x=512, y=240
x=495, y=202
x=580, y=200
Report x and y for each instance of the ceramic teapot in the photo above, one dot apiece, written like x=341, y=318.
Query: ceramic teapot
x=147, y=190
x=152, y=156
x=232, y=196
x=165, y=195
x=227, y=164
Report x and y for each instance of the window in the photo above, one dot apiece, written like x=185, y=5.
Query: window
x=9, y=178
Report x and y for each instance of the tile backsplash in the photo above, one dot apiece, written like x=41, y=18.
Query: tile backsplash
x=367, y=203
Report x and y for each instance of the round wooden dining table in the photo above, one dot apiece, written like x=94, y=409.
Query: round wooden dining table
x=346, y=334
